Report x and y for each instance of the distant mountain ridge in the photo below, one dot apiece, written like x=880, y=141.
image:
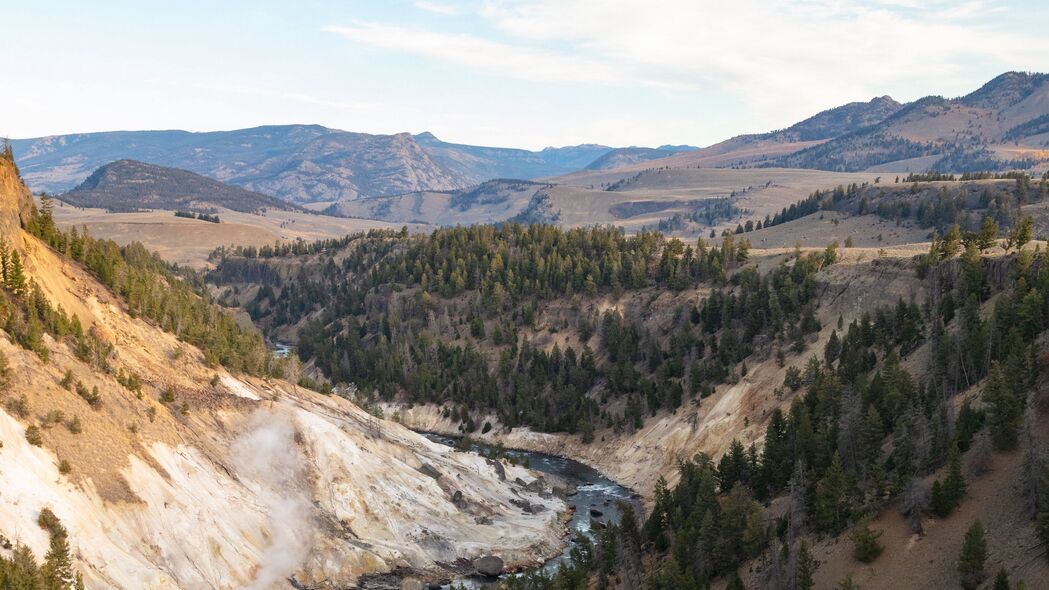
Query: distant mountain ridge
x=129, y=185
x=632, y=155
x=1004, y=124
x=297, y=163
x=486, y=163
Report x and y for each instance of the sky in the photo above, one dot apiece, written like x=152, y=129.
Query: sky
x=515, y=73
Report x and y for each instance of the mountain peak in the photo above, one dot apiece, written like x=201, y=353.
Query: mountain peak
x=1005, y=90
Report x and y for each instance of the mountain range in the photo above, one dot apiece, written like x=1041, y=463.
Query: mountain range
x=297, y=163
x=1002, y=125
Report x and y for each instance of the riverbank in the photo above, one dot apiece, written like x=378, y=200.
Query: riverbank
x=635, y=461
x=593, y=501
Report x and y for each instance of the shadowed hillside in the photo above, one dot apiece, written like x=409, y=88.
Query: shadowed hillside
x=127, y=185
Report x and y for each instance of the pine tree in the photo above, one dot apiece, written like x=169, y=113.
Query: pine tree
x=940, y=501
x=954, y=484
x=804, y=568
x=57, y=570
x=1031, y=467
x=832, y=349
x=872, y=433
x=832, y=498
x=798, y=495
x=988, y=233
x=952, y=242
x=16, y=278
x=1004, y=410
x=866, y=547
x=972, y=558
x=22, y=571
x=1021, y=234
x=1001, y=581
x=1042, y=523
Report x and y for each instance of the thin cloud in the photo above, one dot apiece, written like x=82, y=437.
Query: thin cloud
x=483, y=54
x=437, y=7
x=785, y=59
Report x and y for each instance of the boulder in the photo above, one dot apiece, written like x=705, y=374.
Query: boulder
x=594, y=512
x=489, y=565
x=499, y=469
x=430, y=470
x=459, y=500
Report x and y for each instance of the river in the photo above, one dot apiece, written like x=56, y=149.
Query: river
x=594, y=492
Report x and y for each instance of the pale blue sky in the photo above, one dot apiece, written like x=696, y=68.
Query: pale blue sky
x=521, y=73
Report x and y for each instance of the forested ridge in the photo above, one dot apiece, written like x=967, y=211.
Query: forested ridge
x=862, y=433
x=446, y=318
x=172, y=297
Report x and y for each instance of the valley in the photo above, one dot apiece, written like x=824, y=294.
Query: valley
x=765, y=313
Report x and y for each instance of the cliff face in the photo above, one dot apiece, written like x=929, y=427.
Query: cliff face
x=251, y=483
x=15, y=199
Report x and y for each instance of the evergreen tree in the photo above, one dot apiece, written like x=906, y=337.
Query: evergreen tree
x=804, y=568
x=1004, y=410
x=57, y=570
x=866, y=547
x=988, y=233
x=1031, y=467
x=1001, y=581
x=1042, y=522
x=954, y=484
x=972, y=558
x=16, y=278
x=832, y=498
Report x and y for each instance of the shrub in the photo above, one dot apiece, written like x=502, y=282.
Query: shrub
x=866, y=546
x=67, y=380
x=64, y=467
x=973, y=556
x=19, y=407
x=53, y=417
x=168, y=395
x=50, y=523
x=74, y=425
x=33, y=436
x=92, y=397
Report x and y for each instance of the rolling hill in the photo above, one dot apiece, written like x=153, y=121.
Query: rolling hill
x=128, y=185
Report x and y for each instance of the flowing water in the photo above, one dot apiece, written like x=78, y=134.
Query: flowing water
x=593, y=492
